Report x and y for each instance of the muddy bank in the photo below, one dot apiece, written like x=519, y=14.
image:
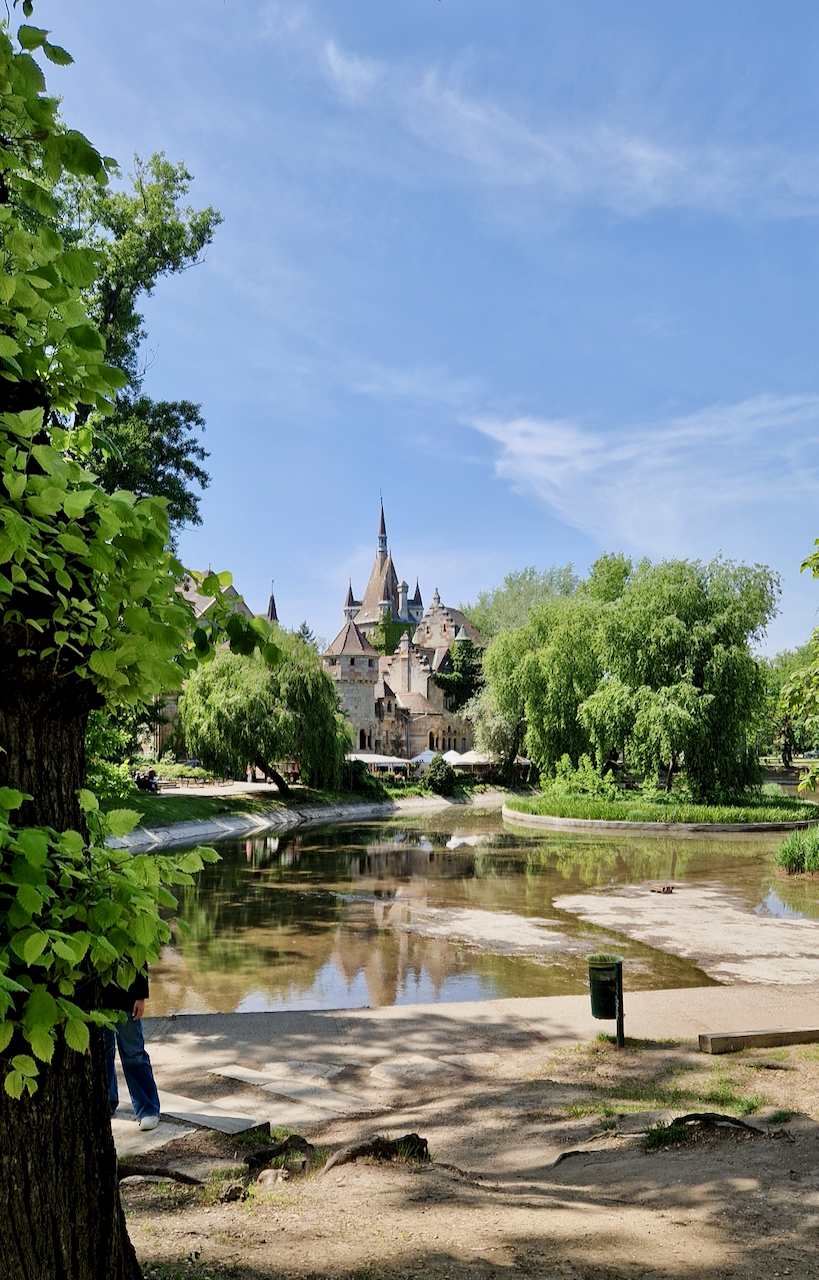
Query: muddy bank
x=710, y=926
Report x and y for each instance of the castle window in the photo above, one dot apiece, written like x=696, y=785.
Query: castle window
x=362, y=741
x=463, y=745
x=352, y=662
x=389, y=706
x=432, y=735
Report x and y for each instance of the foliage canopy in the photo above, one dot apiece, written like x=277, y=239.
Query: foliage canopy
x=237, y=709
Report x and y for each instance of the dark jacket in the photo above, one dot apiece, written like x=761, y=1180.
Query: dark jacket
x=113, y=997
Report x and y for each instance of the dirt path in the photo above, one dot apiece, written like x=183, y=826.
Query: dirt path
x=493, y=1202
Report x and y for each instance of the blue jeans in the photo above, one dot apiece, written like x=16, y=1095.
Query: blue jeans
x=128, y=1038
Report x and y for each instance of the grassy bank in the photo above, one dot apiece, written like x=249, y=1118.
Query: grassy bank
x=159, y=810
x=638, y=808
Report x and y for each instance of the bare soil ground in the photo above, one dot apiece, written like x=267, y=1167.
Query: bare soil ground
x=496, y=1200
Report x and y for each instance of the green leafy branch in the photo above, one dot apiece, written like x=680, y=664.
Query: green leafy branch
x=78, y=915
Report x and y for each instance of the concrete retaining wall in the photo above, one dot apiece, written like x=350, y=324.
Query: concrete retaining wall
x=234, y=826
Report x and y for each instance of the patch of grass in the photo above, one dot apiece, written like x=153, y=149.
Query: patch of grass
x=214, y=1185
x=780, y=1117
x=799, y=852
x=608, y=1122
x=810, y=1052
x=603, y=1037
x=659, y=1136
x=160, y=810
x=577, y=1110
x=665, y=808
x=724, y=1094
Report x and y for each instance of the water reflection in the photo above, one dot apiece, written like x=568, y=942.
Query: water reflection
x=389, y=914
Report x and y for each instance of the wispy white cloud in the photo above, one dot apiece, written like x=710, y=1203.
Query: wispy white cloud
x=677, y=487
x=433, y=385
x=354, y=75
x=598, y=161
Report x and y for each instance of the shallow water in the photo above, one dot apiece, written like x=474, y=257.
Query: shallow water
x=448, y=907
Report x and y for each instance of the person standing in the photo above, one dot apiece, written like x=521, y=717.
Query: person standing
x=128, y=1038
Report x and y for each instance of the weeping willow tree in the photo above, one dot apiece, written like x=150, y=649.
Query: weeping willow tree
x=238, y=710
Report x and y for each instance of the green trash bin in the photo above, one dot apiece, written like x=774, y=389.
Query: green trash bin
x=605, y=979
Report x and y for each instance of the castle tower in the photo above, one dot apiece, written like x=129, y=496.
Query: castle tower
x=381, y=596
x=271, y=614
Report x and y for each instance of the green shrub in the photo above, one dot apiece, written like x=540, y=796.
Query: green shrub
x=110, y=781
x=799, y=852
x=357, y=779
x=584, y=780
x=440, y=777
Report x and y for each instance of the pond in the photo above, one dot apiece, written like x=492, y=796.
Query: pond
x=442, y=908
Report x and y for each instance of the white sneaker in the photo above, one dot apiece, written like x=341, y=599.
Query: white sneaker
x=149, y=1122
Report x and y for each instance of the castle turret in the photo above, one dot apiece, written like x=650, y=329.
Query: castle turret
x=271, y=615
x=402, y=601
x=351, y=605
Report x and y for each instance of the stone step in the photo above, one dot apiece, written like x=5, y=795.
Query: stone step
x=210, y=1115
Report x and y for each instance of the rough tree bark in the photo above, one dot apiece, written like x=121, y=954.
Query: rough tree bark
x=270, y=772
x=60, y=1211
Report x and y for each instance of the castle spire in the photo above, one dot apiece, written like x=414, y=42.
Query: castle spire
x=382, y=533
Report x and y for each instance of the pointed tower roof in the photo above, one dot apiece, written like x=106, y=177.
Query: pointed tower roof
x=416, y=599
x=382, y=527
x=272, y=616
x=351, y=641
x=350, y=600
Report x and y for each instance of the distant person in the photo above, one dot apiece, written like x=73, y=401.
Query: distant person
x=128, y=1038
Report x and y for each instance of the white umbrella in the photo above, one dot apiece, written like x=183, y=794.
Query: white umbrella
x=475, y=757
x=424, y=757
x=453, y=757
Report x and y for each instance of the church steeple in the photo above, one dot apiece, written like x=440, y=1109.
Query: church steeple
x=271, y=615
x=382, y=533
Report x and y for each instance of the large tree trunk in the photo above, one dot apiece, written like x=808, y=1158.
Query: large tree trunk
x=43, y=719
x=60, y=1212
x=270, y=772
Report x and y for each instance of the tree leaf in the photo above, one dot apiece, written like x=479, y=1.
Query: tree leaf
x=33, y=844
x=11, y=799
x=88, y=801
x=56, y=54
x=76, y=1035
x=41, y=1009
x=29, y=899
x=122, y=821
x=34, y=946
x=31, y=37
x=41, y=1041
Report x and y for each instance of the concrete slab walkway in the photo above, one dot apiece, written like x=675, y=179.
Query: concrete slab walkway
x=454, y=1033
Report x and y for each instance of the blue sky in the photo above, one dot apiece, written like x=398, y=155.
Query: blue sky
x=545, y=274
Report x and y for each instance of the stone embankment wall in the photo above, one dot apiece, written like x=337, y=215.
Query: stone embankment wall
x=177, y=835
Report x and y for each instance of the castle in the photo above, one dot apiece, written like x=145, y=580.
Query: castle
x=392, y=701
